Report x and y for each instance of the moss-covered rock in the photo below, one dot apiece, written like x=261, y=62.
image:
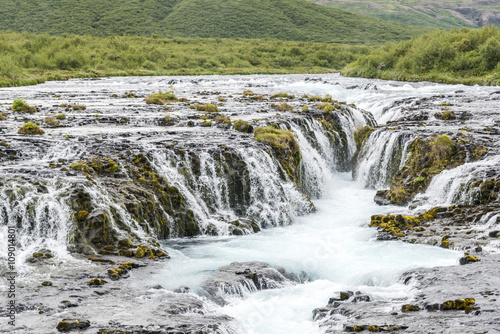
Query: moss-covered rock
x=409, y=308
x=426, y=159
x=30, y=128
x=285, y=148
x=67, y=325
x=361, y=134
x=242, y=126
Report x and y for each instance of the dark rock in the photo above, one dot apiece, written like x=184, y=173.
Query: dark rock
x=67, y=325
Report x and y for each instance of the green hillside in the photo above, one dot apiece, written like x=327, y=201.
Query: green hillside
x=443, y=14
x=299, y=20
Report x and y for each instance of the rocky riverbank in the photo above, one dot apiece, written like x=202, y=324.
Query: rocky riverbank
x=441, y=151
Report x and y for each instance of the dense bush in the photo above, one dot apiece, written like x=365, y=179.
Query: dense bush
x=466, y=56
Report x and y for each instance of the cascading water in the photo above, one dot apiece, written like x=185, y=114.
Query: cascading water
x=332, y=248
x=453, y=186
x=383, y=154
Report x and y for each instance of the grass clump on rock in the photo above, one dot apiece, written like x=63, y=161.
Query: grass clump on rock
x=161, y=98
x=448, y=115
x=284, y=107
x=51, y=121
x=30, y=128
x=275, y=137
x=21, y=105
x=242, y=126
x=208, y=107
x=78, y=107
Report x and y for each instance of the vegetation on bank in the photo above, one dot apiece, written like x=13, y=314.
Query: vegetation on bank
x=299, y=20
x=468, y=56
x=31, y=59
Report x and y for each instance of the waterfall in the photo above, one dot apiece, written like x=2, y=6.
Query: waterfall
x=39, y=213
x=454, y=186
x=382, y=155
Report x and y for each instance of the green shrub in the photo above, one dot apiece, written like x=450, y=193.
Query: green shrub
x=30, y=128
x=21, y=105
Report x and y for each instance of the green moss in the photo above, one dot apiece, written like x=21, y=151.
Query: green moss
x=242, y=126
x=51, y=121
x=448, y=115
x=281, y=139
x=361, y=134
x=208, y=107
x=82, y=215
x=61, y=116
x=97, y=281
x=409, y=308
x=3, y=116
x=283, y=95
x=419, y=179
x=30, y=128
x=344, y=296
x=161, y=98
x=78, y=107
x=284, y=107
x=326, y=107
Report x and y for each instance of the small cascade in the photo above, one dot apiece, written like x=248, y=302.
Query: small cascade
x=457, y=186
x=39, y=213
x=383, y=154
x=322, y=154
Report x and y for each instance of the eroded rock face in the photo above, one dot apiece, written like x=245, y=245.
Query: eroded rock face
x=240, y=278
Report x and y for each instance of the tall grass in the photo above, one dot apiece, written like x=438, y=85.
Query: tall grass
x=29, y=59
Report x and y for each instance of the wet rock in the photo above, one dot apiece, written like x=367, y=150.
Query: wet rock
x=237, y=278
x=67, y=325
x=469, y=259
x=183, y=289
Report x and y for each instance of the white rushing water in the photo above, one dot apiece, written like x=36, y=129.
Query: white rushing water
x=333, y=246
